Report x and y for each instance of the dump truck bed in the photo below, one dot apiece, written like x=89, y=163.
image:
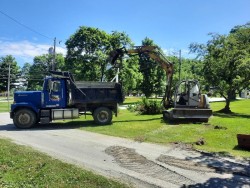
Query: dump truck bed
x=97, y=92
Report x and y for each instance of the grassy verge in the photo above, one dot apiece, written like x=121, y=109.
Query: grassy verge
x=23, y=167
x=4, y=106
x=132, y=100
x=219, y=133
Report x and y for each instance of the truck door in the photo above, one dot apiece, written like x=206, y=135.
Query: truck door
x=54, y=96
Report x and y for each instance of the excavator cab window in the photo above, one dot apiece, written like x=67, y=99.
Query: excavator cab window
x=182, y=96
x=194, y=93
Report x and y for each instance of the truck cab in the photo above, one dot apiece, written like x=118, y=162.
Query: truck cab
x=55, y=93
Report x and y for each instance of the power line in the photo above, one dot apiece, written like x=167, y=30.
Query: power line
x=25, y=26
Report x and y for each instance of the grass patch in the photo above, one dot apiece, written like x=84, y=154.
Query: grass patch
x=23, y=167
x=133, y=100
x=4, y=106
x=219, y=133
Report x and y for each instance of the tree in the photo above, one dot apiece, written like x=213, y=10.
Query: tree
x=130, y=77
x=4, y=68
x=226, y=61
x=40, y=68
x=88, y=50
x=25, y=70
x=153, y=75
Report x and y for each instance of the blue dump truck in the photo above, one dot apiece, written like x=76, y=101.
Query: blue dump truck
x=63, y=98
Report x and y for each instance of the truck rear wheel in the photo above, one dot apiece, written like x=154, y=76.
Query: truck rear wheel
x=24, y=119
x=102, y=116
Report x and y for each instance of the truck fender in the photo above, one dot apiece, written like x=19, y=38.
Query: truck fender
x=15, y=107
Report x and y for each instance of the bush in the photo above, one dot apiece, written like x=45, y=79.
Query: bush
x=146, y=106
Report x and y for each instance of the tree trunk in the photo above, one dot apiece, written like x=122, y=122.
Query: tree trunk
x=227, y=107
x=233, y=95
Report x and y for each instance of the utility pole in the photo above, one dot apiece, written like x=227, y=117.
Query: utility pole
x=117, y=75
x=179, y=65
x=8, y=95
x=54, y=55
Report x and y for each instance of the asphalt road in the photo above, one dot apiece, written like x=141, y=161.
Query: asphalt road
x=134, y=163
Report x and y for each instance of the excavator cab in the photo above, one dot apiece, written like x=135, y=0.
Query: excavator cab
x=189, y=103
x=187, y=94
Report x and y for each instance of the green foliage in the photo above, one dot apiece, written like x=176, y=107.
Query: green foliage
x=154, y=79
x=88, y=51
x=40, y=68
x=227, y=61
x=5, y=106
x=22, y=167
x=25, y=70
x=4, y=69
x=130, y=77
x=146, y=106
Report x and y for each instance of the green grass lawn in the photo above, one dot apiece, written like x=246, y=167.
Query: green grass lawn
x=23, y=167
x=4, y=106
x=151, y=128
x=132, y=100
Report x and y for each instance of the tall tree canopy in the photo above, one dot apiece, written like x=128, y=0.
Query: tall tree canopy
x=88, y=51
x=130, y=76
x=227, y=61
x=5, y=62
x=40, y=68
x=154, y=79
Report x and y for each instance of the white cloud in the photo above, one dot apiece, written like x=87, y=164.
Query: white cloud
x=25, y=49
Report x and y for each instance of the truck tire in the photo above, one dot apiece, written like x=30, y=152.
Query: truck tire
x=102, y=116
x=24, y=119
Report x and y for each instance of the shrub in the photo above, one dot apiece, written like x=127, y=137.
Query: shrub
x=146, y=106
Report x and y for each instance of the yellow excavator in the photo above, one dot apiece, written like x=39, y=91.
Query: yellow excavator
x=186, y=101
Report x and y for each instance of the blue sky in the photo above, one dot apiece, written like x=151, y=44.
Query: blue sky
x=173, y=25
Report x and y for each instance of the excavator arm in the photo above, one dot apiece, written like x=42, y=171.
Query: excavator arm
x=155, y=54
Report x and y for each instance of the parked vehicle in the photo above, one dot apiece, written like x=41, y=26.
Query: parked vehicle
x=63, y=98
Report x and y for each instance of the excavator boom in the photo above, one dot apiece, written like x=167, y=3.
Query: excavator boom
x=155, y=54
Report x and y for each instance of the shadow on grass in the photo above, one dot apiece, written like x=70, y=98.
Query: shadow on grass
x=137, y=120
x=238, y=148
x=231, y=115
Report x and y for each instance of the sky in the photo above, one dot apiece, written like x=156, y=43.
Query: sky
x=28, y=27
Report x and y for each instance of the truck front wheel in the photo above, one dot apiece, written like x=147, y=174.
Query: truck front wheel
x=24, y=118
x=102, y=116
